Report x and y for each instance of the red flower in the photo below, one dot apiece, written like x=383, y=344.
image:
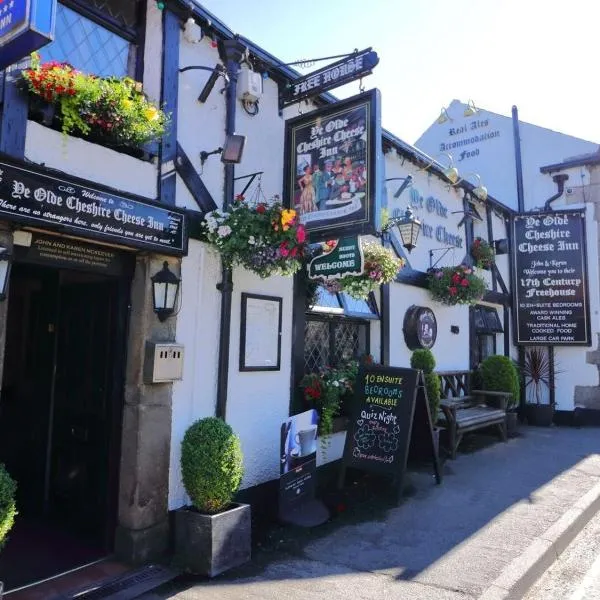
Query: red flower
x=465, y=283
x=283, y=249
x=456, y=278
x=261, y=208
x=239, y=197
x=294, y=251
x=300, y=234
x=453, y=291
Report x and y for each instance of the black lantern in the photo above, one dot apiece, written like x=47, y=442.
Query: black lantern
x=165, y=287
x=4, y=272
x=409, y=228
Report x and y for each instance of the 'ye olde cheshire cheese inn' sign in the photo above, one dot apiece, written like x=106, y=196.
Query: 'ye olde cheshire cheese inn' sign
x=40, y=198
x=551, y=295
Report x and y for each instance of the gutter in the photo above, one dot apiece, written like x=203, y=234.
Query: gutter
x=559, y=180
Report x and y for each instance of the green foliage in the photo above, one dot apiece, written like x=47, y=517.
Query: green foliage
x=424, y=360
x=499, y=374
x=211, y=464
x=455, y=285
x=537, y=370
x=483, y=253
x=8, y=511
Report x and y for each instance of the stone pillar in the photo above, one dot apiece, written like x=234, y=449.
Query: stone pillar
x=143, y=531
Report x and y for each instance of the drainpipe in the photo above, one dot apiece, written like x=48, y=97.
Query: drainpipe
x=559, y=180
x=231, y=52
x=518, y=161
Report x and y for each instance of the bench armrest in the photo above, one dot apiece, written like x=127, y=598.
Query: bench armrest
x=457, y=402
x=497, y=399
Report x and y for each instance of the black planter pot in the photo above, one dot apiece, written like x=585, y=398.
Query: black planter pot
x=539, y=415
x=512, y=423
x=211, y=544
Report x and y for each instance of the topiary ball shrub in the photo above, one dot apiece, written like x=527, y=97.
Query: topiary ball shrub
x=211, y=464
x=498, y=374
x=8, y=511
x=424, y=360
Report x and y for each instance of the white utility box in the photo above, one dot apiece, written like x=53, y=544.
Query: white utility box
x=250, y=85
x=164, y=362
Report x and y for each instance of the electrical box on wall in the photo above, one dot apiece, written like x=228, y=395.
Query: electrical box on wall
x=250, y=85
x=164, y=362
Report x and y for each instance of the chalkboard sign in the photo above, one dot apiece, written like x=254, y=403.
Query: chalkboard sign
x=551, y=293
x=382, y=418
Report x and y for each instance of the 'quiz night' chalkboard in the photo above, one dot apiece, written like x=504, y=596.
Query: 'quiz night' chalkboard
x=381, y=419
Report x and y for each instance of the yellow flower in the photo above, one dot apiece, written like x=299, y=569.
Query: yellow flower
x=287, y=217
x=151, y=113
x=127, y=103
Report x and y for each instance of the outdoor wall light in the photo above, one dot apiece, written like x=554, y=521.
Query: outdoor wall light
x=192, y=32
x=406, y=183
x=444, y=117
x=450, y=172
x=5, y=264
x=409, y=228
x=502, y=246
x=480, y=191
x=215, y=72
x=165, y=289
x=471, y=109
x=231, y=152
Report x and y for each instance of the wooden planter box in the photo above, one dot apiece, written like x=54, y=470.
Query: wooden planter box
x=212, y=544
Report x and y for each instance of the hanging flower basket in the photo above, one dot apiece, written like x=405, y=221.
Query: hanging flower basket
x=483, y=253
x=456, y=285
x=112, y=111
x=262, y=237
x=381, y=266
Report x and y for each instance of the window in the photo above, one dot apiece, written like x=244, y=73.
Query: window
x=93, y=47
x=486, y=324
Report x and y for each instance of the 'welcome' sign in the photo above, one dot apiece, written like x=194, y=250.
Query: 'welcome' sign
x=25, y=26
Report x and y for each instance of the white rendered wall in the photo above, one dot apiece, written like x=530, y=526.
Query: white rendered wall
x=484, y=143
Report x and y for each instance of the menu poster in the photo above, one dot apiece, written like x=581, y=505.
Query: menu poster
x=550, y=286
x=382, y=418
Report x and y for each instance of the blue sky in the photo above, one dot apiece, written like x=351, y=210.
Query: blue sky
x=540, y=55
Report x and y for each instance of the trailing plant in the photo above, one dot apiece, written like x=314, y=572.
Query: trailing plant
x=211, y=464
x=381, y=266
x=263, y=237
x=483, y=253
x=455, y=285
x=112, y=110
x=325, y=389
x=424, y=360
x=8, y=510
x=498, y=373
x=537, y=370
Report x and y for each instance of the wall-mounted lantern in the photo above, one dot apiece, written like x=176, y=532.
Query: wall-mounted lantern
x=165, y=289
x=409, y=228
x=5, y=264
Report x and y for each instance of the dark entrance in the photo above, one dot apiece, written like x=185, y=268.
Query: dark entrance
x=60, y=417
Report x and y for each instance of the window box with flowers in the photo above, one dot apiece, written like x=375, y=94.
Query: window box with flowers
x=110, y=111
x=483, y=253
x=381, y=266
x=455, y=285
x=263, y=237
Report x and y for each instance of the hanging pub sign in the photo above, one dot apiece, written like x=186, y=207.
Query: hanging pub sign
x=340, y=258
x=25, y=26
x=42, y=198
x=550, y=279
x=339, y=73
x=333, y=167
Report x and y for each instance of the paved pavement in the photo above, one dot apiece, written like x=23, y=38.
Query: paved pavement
x=576, y=574
x=500, y=518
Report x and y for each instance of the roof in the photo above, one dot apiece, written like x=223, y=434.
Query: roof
x=279, y=71
x=593, y=158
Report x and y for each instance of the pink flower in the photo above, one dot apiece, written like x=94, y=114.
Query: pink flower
x=300, y=235
x=283, y=250
x=453, y=291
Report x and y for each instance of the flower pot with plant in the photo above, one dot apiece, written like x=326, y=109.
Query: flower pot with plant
x=455, y=285
x=498, y=373
x=424, y=360
x=483, y=253
x=537, y=371
x=8, y=511
x=213, y=535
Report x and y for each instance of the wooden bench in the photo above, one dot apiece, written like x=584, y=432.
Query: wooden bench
x=465, y=409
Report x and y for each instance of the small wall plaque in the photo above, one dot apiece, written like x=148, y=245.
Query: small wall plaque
x=420, y=327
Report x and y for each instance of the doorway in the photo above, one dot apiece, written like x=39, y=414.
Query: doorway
x=60, y=417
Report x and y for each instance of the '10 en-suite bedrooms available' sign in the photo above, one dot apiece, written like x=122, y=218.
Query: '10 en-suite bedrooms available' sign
x=550, y=286
x=333, y=167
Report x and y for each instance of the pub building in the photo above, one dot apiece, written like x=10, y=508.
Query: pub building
x=120, y=328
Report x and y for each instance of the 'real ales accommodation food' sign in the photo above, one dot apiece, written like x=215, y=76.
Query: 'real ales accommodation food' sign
x=550, y=279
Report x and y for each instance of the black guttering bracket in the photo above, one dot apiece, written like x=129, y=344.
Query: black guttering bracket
x=193, y=181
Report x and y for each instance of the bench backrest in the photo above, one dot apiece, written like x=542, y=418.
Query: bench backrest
x=455, y=383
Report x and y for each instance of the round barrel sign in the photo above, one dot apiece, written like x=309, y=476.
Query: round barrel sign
x=420, y=327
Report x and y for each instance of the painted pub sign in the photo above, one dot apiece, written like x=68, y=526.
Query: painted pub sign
x=550, y=279
x=25, y=26
x=333, y=167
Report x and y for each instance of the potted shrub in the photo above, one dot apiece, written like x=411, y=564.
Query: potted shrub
x=8, y=511
x=537, y=370
x=455, y=285
x=483, y=253
x=498, y=373
x=424, y=360
x=214, y=534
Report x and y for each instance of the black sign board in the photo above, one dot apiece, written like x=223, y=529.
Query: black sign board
x=333, y=167
x=39, y=197
x=550, y=279
x=339, y=73
x=65, y=253
x=389, y=405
